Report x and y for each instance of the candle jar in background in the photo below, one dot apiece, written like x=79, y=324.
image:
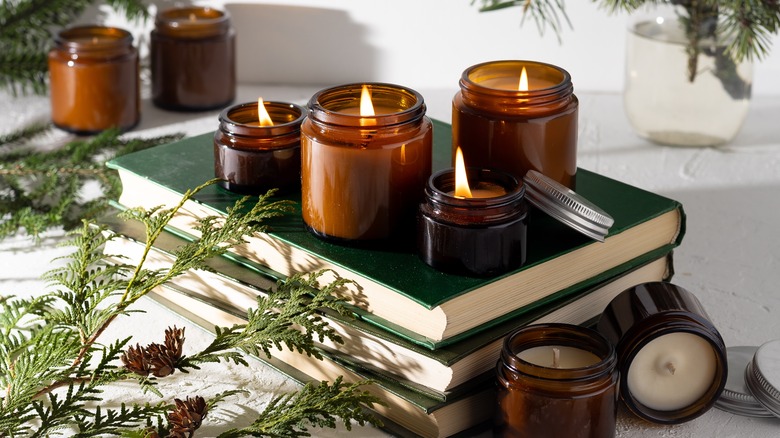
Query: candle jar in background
x=362, y=177
x=501, y=127
x=476, y=236
x=578, y=399
x=93, y=80
x=193, y=61
x=672, y=360
x=251, y=158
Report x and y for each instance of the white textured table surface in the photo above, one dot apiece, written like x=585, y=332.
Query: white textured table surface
x=729, y=258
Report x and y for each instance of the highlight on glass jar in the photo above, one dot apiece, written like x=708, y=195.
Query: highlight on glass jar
x=366, y=154
x=517, y=116
x=672, y=360
x=554, y=379
x=472, y=221
x=257, y=147
x=193, y=59
x=93, y=80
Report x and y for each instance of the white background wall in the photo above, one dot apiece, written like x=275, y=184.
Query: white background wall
x=426, y=43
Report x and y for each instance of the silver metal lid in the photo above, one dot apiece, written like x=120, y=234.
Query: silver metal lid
x=736, y=397
x=567, y=206
x=762, y=376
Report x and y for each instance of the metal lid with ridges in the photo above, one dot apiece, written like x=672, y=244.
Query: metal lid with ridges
x=567, y=206
x=736, y=397
x=762, y=376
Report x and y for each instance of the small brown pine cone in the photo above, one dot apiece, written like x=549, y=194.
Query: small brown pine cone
x=187, y=416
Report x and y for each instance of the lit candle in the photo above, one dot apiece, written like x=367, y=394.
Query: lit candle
x=556, y=380
x=477, y=231
x=671, y=358
x=672, y=371
x=366, y=155
x=257, y=147
x=192, y=58
x=93, y=79
x=517, y=116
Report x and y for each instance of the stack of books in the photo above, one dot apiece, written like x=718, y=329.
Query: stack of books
x=429, y=340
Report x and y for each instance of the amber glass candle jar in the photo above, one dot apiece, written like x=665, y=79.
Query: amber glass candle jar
x=362, y=177
x=251, y=158
x=93, y=80
x=672, y=360
x=193, y=59
x=500, y=126
x=556, y=380
x=481, y=236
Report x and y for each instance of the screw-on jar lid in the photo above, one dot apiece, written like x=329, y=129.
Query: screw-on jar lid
x=736, y=397
x=567, y=206
x=763, y=376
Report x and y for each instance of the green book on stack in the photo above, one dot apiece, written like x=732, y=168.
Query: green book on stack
x=233, y=284
x=399, y=293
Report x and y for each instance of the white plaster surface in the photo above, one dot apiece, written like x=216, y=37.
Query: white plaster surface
x=730, y=257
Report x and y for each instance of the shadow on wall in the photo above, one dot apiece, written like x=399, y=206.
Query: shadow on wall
x=300, y=45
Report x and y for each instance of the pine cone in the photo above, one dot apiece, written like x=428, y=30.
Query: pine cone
x=156, y=359
x=187, y=416
x=134, y=359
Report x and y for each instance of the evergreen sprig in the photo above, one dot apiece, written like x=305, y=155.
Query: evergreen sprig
x=27, y=29
x=53, y=369
x=318, y=405
x=40, y=190
x=747, y=24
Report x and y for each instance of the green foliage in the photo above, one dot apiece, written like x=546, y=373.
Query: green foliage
x=747, y=24
x=318, y=405
x=40, y=190
x=27, y=29
x=53, y=370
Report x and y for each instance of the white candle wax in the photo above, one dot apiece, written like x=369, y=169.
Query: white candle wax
x=568, y=357
x=672, y=371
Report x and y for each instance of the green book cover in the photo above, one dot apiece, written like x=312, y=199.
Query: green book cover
x=232, y=285
x=179, y=166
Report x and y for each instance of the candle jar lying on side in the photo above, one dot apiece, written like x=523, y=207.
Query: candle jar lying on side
x=556, y=381
x=672, y=360
x=480, y=236
x=251, y=158
x=193, y=61
x=93, y=80
x=362, y=177
x=501, y=124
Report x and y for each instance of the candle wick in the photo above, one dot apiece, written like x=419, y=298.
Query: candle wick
x=670, y=367
x=556, y=357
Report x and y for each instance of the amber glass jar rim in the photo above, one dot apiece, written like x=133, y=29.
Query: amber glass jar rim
x=230, y=125
x=175, y=21
x=563, y=85
x=442, y=182
x=681, y=322
x=78, y=38
x=559, y=334
x=323, y=105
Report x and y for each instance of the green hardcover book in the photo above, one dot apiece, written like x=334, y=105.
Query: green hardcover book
x=233, y=286
x=398, y=291
x=414, y=412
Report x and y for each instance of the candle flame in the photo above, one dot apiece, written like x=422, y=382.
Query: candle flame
x=523, y=86
x=461, y=180
x=403, y=153
x=192, y=16
x=262, y=114
x=366, y=106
